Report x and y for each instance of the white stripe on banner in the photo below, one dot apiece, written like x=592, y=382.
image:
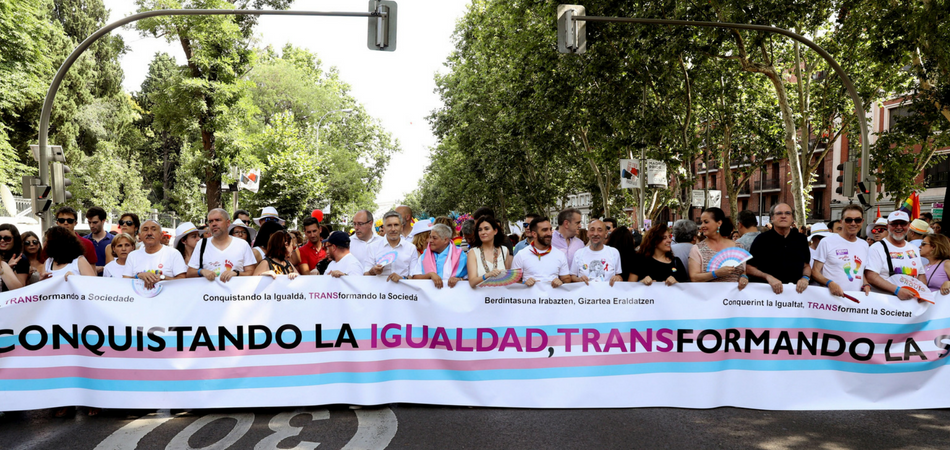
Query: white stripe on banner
x=317, y=340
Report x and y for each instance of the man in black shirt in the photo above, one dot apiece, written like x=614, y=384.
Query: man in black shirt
x=781, y=254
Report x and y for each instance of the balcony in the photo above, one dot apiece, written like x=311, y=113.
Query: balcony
x=707, y=168
x=744, y=191
x=773, y=185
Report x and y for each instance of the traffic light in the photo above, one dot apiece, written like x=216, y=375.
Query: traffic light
x=40, y=198
x=381, y=33
x=571, y=34
x=864, y=193
x=59, y=182
x=846, y=179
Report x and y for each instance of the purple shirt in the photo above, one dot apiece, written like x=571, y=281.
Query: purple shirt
x=559, y=242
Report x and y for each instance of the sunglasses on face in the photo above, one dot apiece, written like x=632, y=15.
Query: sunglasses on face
x=6, y=238
x=65, y=220
x=898, y=224
x=127, y=223
x=31, y=242
x=269, y=219
x=853, y=220
x=879, y=230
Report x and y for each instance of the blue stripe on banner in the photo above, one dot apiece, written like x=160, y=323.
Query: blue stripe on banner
x=484, y=375
x=830, y=326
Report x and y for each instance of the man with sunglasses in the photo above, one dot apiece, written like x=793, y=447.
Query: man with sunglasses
x=365, y=237
x=893, y=255
x=67, y=217
x=841, y=258
x=878, y=231
x=780, y=255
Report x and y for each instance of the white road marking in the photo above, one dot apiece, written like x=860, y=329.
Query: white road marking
x=128, y=437
x=283, y=430
x=376, y=430
x=244, y=422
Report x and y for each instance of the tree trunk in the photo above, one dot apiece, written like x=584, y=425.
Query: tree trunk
x=212, y=174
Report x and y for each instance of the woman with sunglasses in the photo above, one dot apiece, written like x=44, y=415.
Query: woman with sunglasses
x=936, y=248
x=33, y=253
x=277, y=257
x=128, y=224
x=16, y=268
x=10, y=258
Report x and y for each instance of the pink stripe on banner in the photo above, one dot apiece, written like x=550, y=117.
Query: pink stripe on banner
x=540, y=360
x=557, y=341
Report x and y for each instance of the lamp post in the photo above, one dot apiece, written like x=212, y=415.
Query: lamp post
x=320, y=122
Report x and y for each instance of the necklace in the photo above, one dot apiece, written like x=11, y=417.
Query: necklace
x=494, y=258
x=534, y=250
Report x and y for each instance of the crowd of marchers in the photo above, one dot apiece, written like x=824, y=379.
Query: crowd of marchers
x=447, y=252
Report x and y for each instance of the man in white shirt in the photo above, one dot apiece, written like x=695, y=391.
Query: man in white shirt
x=221, y=256
x=365, y=237
x=893, y=255
x=540, y=261
x=841, y=258
x=596, y=262
x=406, y=254
x=342, y=262
x=406, y=213
x=153, y=262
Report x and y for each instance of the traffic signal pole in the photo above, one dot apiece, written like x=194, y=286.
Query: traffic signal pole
x=381, y=10
x=575, y=24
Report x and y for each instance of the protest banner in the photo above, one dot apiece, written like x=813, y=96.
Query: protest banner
x=259, y=342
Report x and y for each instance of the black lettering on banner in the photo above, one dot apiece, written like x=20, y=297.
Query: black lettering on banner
x=26, y=331
x=887, y=352
x=252, y=337
x=139, y=341
x=811, y=346
x=236, y=341
x=915, y=352
x=702, y=345
x=828, y=338
x=128, y=339
x=732, y=337
x=158, y=340
x=940, y=341
x=70, y=338
x=279, y=336
x=318, y=339
x=346, y=330
x=9, y=332
x=852, y=349
x=201, y=339
x=180, y=336
x=751, y=338
x=682, y=339
x=100, y=339
x=783, y=343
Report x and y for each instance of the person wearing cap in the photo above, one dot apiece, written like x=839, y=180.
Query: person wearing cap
x=154, y=262
x=819, y=231
x=269, y=214
x=780, y=255
x=878, y=231
x=186, y=237
x=406, y=255
x=441, y=259
x=893, y=255
x=241, y=230
x=420, y=235
x=841, y=258
x=342, y=262
x=221, y=256
x=916, y=232
x=363, y=238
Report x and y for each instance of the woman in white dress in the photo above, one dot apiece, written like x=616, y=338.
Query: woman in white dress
x=64, y=254
x=487, y=256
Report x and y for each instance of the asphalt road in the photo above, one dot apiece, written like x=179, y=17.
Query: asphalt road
x=436, y=427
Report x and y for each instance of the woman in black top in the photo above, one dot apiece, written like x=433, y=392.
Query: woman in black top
x=277, y=256
x=622, y=240
x=657, y=262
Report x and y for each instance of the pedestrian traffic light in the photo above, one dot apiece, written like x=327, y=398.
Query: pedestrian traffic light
x=571, y=34
x=60, y=182
x=846, y=179
x=864, y=193
x=39, y=197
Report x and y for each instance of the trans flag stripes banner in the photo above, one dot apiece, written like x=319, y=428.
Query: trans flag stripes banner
x=259, y=342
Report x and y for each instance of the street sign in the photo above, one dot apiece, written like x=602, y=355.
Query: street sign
x=629, y=173
x=571, y=34
x=938, y=212
x=715, y=198
x=656, y=174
